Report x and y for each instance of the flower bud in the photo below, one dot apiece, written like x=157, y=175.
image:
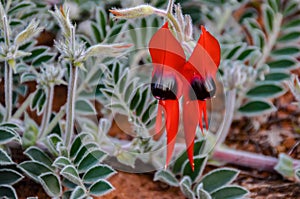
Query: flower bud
x=135, y=12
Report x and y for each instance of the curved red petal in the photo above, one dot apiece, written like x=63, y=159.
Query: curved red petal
x=158, y=123
x=171, y=108
x=190, y=121
x=202, y=110
x=165, y=50
x=206, y=56
x=211, y=45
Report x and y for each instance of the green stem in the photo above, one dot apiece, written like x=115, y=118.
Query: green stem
x=171, y=17
x=55, y=120
x=23, y=107
x=71, y=104
x=229, y=112
x=48, y=111
x=8, y=90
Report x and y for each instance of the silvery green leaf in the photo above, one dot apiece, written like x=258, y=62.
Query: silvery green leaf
x=51, y=184
x=78, y=193
x=61, y=162
x=34, y=153
x=62, y=17
x=230, y=192
x=98, y=172
x=71, y=173
x=285, y=166
x=167, y=177
x=100, y=188
x=106, y=50
x=34, y=169
x=126, y=158
x=9, y=177
x=5, y=159
x=201, y=193
x=218, y=178
x=92, y=158
x=7, y=191
x=186, y=188
x=31, y=31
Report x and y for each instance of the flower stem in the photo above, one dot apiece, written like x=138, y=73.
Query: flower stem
x=71, y=104
x=8, y=90
x=229, y=112
x=55, y=120
x=48, y=111
x=247, y=159
x=23, y=107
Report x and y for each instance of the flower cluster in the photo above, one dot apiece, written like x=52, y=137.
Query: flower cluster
x=173, y=76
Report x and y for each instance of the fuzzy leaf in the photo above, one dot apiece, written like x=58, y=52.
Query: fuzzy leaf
x=77, y=143
x=38, y=155
x=33, y=169
x=201, y=193
x=167, y=177
x=284, y=63
x=18, y=7
x=51, y=184
x=27, y=77
x=71, y=173
x=254, y=108
x=100, y=188
x=7, y=191
x=186, y=190
x=230, y=192
x=265, y=91
x=78, y=193
x=37, y=51
x=183, y=157
x=199, y=165
x=7, y=135
x=30, y=31
x=290, y=37
x=91, y=159
x=5, y=159
x=98, y=172
x=289, y=50
x=277, y=76
x=85, y=107
x=83, y=151
x=218, y=178
x=61, y=162
x=43, y=58
x=285, y=166
x=9, y=177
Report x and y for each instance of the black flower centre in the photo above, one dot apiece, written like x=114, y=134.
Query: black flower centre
x=164, y=87
x=202, y=89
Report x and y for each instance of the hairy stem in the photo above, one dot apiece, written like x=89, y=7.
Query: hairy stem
x=229, y=112
x=55, y=120
x=23, y=107
x=247, y=159
x=71, y=104
x=48, y=111
x=8, y=90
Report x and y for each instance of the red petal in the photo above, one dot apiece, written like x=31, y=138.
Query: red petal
x=205, y=58
x=158, y=123
x=211, y=45
x=202, y=109
x=190, y=121
x=165, y=50
x=172, y=119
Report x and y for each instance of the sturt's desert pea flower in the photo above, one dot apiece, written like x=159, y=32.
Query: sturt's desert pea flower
x=173, y=77
x=199, y=71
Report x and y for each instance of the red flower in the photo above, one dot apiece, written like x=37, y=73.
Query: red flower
x=200, y=71
x=172, y=76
